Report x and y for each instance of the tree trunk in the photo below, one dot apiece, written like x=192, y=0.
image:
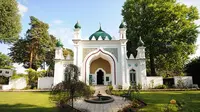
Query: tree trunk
x=152, y=63
x=31, y=59
x=72, y=102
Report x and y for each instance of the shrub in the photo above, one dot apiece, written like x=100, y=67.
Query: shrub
x=180, y=84
x=119, y=86
x=32, y=77
x=17, y=76
x=161, y=87
x=4, y=80
x=110, y=88
x=71, y=88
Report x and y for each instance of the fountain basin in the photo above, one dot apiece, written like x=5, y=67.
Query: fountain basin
x=100, y=100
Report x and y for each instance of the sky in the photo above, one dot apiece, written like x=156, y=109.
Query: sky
x=61, y=15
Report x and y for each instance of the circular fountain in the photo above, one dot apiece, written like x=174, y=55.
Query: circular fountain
x=100, y=99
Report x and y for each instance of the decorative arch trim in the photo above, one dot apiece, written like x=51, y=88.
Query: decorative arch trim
x=103, y=52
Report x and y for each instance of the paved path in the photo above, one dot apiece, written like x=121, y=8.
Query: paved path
x=117, y=104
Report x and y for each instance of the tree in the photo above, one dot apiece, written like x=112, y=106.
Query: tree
x=32, y=49
x=50, y=55
x=67, y=52
x=5, y=61
x=10, y=25
x=39, y=41
x=192, y=69
x=70, y=89
x=167, y=29
x=19, y=52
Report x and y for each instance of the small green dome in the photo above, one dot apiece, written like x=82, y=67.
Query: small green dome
x=100, y=33
x=59, y=44
x=140, y=42
x=122, y=25
x=77, y=25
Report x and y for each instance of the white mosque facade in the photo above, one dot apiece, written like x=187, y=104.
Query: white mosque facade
x=103, y=60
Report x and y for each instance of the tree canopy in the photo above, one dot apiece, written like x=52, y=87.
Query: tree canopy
x=10, y=25
x=32, y=49
x=36, y=47
x=167, y=29
x=5, y=61
x=192, y=69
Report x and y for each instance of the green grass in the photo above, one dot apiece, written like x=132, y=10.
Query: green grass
x=25, y=102
x=156, y=101
x=39, y=101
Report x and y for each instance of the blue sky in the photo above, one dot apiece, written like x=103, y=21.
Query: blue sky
x=61, y=15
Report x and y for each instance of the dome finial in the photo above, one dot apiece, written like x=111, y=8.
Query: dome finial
x=59, y=43
x=100, y=26
x=122, y=25
x=140, y=42
x=77, y=25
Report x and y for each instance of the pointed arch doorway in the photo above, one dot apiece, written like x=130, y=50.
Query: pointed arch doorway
x=100, y=77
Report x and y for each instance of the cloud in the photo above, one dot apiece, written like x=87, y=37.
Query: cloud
x=63, y=33
x=57, y=22
x=22, y=9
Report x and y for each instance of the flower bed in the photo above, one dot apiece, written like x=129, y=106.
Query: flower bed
x=134, y=106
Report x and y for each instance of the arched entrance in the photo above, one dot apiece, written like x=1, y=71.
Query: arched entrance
x=100, y=54
x=100, y=69
x=100, y=77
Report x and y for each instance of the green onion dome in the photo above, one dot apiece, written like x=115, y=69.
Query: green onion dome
x=122, y=25
x=100, y=34
x=59, y=44
x=77, y=25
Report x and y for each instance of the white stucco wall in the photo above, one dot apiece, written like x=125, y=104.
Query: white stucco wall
x=15, y=84
x=187, y=80
x=6, y=72
x=154, y=81
x=45, y=82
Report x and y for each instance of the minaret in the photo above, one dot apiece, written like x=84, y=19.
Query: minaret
x=76, y=40
x=123, y=61
x=58, y=67
x=77, y=31
x=140, y=50
x=59, y=50
x=122, y=31
x=141, y=63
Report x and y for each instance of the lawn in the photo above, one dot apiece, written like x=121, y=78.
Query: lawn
x=25, y=102
x=157, y=100
x=39, y=101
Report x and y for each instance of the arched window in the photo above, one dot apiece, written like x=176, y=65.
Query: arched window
x=132, y=76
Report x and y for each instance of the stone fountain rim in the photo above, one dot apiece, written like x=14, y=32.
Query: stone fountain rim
x=100, y=102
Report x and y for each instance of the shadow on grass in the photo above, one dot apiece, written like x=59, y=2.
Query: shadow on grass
x=25, y=108
x=34, y=108
x=156, y=101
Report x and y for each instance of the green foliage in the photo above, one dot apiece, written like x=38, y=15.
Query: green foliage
x=180, y=84
x=70, y=89
x=192, y=69
x=10, y=25
x=32, y=49
x=4, y=80
x=17, y=76
x=5, y=61
x=132, y=107
x=67, y=52
x=32, y=77
x=176, y=105
x=168, y=39
x=110, y=88
x=161, y=87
